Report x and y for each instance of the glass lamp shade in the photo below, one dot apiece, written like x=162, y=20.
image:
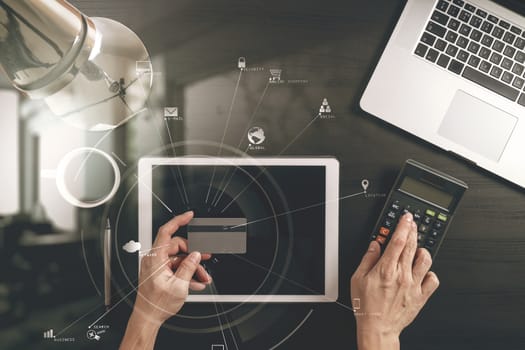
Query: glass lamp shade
x=95, y=73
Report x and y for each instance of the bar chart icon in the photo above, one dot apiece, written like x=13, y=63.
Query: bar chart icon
x=49, y=334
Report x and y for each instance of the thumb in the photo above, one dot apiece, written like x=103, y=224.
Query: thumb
x=370, y=258
x=188, y=266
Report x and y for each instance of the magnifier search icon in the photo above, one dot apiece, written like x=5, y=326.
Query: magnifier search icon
x=92, y=335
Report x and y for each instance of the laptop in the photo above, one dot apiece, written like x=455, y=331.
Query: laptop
x=453, y=73
x=270, y=223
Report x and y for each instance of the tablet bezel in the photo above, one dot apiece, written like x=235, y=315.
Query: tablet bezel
x=331, y=273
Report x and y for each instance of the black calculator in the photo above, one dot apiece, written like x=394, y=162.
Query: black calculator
x=430, y=195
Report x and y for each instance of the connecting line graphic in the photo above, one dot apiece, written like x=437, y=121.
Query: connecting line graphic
x=293, y=331
x=85, y=260
x=215, y=202
x=154, y=195
x=252, y=117
x=178, y=167
x=299, y=209
x=224, y=132
x=132, y=290
x=289, y=280
x=280, y=153
x=214, y=290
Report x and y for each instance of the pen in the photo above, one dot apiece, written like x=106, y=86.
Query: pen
x=107, y=265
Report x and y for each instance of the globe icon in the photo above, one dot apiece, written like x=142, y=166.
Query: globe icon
x=256, y=135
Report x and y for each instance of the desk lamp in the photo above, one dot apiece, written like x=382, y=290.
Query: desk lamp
x=95, y=73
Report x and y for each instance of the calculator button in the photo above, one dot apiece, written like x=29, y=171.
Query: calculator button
x=423, y=228
x=442, y=217
x=417, y=215
x=433, y=234
x=420, y=237
x=384, y=231
x=374, y=236
x=392, y=215
x=427, y=220
x=380, y=239
x=430, y=243
x=430, y=212
x=438, y=225
x=388, y=224
x=395, y=206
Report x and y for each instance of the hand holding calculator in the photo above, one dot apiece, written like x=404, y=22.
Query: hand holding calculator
x=430, y=195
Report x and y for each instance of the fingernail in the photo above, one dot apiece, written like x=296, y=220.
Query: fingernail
x=414, y=224
x=372, y=247
x=188, y=212
x=195, y=257
x=409, y=217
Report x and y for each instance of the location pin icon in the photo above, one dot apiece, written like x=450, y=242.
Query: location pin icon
x=365, y=184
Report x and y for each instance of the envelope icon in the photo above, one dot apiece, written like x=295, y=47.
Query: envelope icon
x=171, y=112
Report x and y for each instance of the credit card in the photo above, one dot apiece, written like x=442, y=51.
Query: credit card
x=217, y=235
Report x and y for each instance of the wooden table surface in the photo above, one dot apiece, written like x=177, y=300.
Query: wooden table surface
x=335, y=46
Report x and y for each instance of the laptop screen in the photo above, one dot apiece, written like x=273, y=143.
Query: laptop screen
x=514, y=5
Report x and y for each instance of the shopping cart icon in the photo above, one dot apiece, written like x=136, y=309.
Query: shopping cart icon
x=275, y=75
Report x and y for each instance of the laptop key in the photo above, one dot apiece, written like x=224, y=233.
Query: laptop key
x=487, y=40
x=442, y=5
x=476, y=21
x=465, y=29
x=443, y=60
x=518, y=69
x=440, y=17
x=432, y=55
x=452, y=50
x=465, y=16
x=520, y=56
x=496, y=72
x=493, y=19
x=451, y=37
x=498, y=32
x=436, y=29
x=428, y=39
x=454, y=24
x=504, y=24
x=481, y=13
x=515, y=30
x=509, y=38
x=462, y=42
x=421, y=50
x=507, y=77
x=470, y=8
x=463, y=56
x=476, y=35
x=506, y=64
x=440, y=44
x=473, y=47
x=521, y=100
x=509, y=51
x=487, y=27
x=496, y=58
x=518, y=83
x=474, y=61
x=484, y=53
x=456, y=67
x=491, y=83
x=520, y=43
x=485, y=66
x=460, y=3
x=453, y=11
x=498, y=46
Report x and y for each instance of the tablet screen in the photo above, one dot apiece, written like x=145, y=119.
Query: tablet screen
x=264, y=224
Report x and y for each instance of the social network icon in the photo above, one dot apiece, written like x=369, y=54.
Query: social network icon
x=171, y=112
x=356, y=303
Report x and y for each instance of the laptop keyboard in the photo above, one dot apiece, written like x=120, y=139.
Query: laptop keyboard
x=477, y=45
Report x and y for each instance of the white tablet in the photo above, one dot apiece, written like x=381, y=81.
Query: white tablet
x=271, y=224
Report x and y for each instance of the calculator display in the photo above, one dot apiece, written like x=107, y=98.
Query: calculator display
x=426, y=191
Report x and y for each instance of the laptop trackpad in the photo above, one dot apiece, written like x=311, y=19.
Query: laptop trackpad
x=477, y=125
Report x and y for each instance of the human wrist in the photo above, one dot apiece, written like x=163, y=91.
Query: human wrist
x=141, y=332
x=372, y=339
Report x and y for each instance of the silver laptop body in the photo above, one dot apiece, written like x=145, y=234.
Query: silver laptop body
x=443, y=79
